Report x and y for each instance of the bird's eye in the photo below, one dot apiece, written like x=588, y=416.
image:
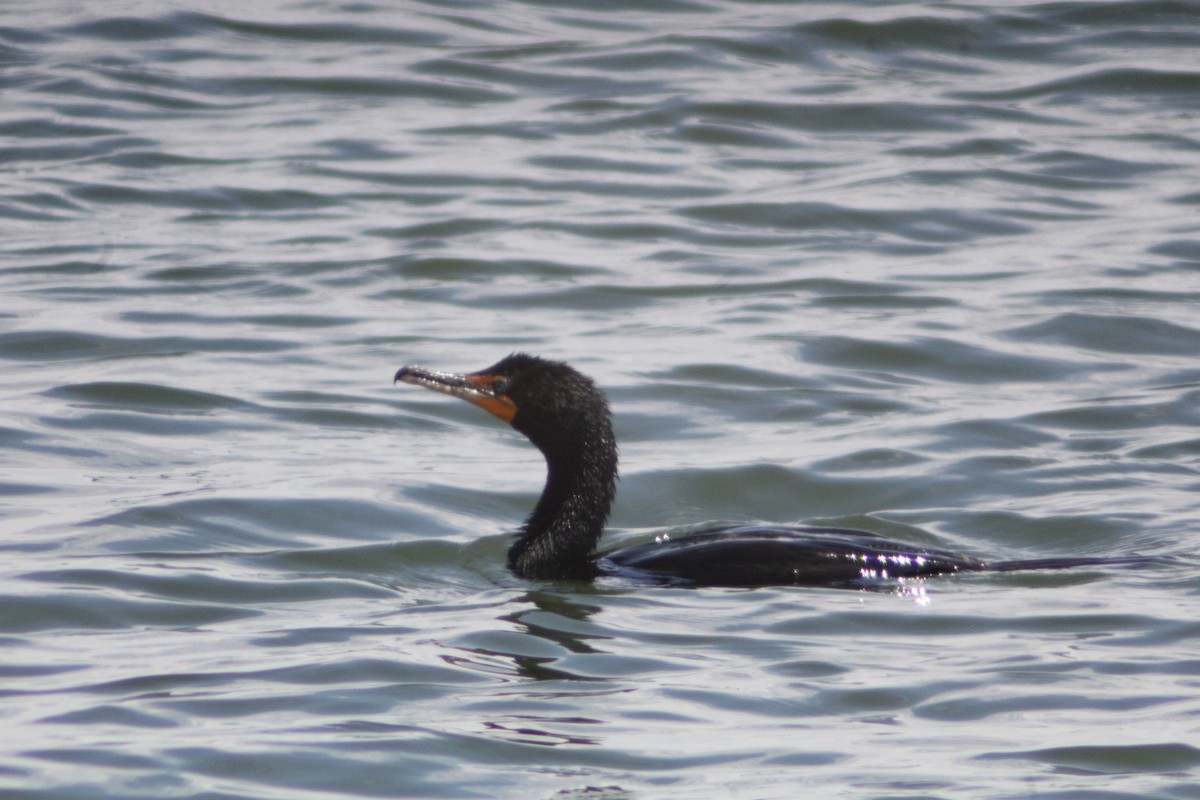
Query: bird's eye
x=500, y=385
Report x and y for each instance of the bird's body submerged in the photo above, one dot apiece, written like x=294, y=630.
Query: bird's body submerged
x=567, y=417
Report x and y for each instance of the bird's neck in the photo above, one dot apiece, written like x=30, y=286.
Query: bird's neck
x=558, y=538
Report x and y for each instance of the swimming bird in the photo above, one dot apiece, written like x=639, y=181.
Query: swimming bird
x=566, y=416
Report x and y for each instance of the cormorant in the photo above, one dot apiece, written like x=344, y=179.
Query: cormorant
x=567, y=417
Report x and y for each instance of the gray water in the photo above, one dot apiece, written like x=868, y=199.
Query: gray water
x=931, y=270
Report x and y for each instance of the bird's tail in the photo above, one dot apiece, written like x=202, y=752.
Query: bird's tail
x=1072, y=563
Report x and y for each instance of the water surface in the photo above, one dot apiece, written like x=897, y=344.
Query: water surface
x=927, y=269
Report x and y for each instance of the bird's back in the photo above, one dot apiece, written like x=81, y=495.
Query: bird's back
x=750, y=555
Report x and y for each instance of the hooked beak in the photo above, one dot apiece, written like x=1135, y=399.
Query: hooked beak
x=473, y=388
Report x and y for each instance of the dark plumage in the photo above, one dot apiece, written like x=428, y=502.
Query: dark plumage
x=566, y=416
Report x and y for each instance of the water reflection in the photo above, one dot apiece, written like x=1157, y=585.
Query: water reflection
x=549, y=617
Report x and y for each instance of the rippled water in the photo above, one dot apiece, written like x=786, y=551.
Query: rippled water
x=927, y=269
